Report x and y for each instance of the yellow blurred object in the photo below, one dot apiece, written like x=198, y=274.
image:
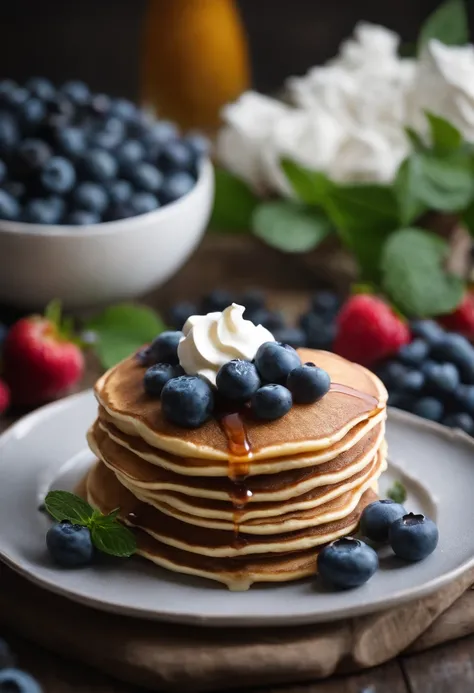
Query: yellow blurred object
x=195, y=60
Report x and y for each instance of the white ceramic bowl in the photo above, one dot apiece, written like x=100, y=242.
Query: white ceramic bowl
x=102, y=263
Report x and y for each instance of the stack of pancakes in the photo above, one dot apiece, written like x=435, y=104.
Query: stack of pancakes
x=239, y=500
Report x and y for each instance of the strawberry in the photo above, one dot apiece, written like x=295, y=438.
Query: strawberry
x=4, y=397
x=462, y=319
x=368, y=330
x=42, y=361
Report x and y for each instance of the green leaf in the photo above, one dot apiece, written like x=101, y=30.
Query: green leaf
x=413, y=274
x=406, y=189
x=122, y=329
x=234, y=203
x=289, y=226
x=468, y=218
x=360, y=207
x=415, y=139
x=311, y=187
x=62, y=505
x=448, y=23
x=114, y=539
x=445, y=137
x=397, y=492
x=445, y=184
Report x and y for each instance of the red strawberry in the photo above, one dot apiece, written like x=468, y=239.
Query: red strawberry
x=4, y=397
x=368, y=330
x=462, y=320
x=41, y=359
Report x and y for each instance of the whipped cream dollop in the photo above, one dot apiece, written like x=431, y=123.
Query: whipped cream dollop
x=212, y=340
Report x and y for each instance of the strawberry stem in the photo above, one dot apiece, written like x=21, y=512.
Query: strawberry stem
x=53, y=312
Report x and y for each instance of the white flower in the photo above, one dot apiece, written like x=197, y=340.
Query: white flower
x=371, y=47
x=445, y=85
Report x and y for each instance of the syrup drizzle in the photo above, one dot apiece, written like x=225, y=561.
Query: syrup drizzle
x=353, y=392
x=240, y=455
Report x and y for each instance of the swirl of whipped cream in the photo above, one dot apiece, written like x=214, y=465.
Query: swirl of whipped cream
x=212, y=340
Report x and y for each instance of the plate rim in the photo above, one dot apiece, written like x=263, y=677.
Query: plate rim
x=216, y=620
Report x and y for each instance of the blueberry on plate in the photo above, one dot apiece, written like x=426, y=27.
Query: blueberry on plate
x=429, y=330
x=294, y=336
x=176, y=185
x=217, y=301
x=238, y=380
x=391, y=373
x=70, y=545
x=319, y=329
x=143, y=202
x=441, y=378
x=347, y=563
x=90, y=196
x=271, y=402
x=82, y=217
x=461, y=420
x=58, y=175
x=415, y=353
x=6, y=655
x=157, y=376
x=325, y=303
x=187, y=401
x=99, y=165
x=465, y=398
x=16, y=681
x=428, y=408
x=41, y=211
x=77, y=91
x=9, y=207
x=377, y=518
x=41, y=87
x=412, y=381
x=275, y=361
x=413, y=537
x=175, y=156
x=457, y=350
x=180, y=312
x=164, y=348
x=308, y=383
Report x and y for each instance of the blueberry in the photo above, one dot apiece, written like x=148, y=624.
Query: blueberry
x=60, y=111
x=40, y=211
x=320, y=332
x=41, y=87
x=77, y=91
x=99, y=105
x=7, y=659
x=3, y=172
x=175, y=156
x=428, y=330
x=391, y=373
x=413, y=537
x=31, y=155
x=217, y=301
x=98, y=165
x=119, y=210
x=252, y=300
x=238, y=380
x=16, y=681
x=180, y=312
x=377, y=518
x=90, y=196
x=71, y=141
x=275, y=361
x=58, y=175
x=164, y=348
x=308, y=383
x=32, y=113
x=119, y=190
x=412, y=381
x=17, y=98
x=123, y=109
x=15, y=188
x=70, y=545
x=442, y=378
x=272, y=320
x=187, y=401
x=415, y=353
x=465, y=398
x=157, y=376
x=347, y=563
x=6, y=87
x=143, y=202
x=294, y=336
x=325, y=303
x=146, y=177
x=429, y=408
x=399, y=400
x=82, y=217
x=58, y=203
x=9, y=207
x=129, y=153
x=456, y=349
x=176, y=185
x=3, y=336
x=160, y=133
x=271, y=402
x=104, y=139
x=9, y=134
x=460, y=420
x=198, y=144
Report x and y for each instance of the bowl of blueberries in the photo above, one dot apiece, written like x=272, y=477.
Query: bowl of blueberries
x=99, y=200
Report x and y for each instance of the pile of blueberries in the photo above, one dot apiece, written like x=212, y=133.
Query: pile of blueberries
x=316, y=328
x=433, y=376
x=69, y=156
x=350, y=562
x=13, y=680
x=268, y=385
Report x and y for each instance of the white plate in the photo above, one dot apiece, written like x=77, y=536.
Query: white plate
x=51, y=441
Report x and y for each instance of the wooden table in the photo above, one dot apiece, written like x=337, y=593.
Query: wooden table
x=236, y=264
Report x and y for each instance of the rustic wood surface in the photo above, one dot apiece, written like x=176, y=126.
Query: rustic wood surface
x=237, y=264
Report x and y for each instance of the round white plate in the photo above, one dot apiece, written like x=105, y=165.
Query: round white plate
x=435, y=464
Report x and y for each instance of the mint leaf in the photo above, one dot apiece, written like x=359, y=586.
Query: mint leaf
x=234, y=203
x=310, y=186
x=122, y=329
x=468, y=218
x=113, y=538
x=448, y=23
x=405, y=187
x=359, y=207
x=445, y=138
x=413, y=274
x=445, y=184
x=62, y=505
x=289, y=226
x=397, y=492
x=415, y=139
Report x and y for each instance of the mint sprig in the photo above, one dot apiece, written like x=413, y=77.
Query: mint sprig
x=397, y=492
x=448, y=23
x=107, y=534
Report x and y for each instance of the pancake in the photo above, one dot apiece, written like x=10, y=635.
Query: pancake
x=270, y=487
x=106, y=493
x=306, y=428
